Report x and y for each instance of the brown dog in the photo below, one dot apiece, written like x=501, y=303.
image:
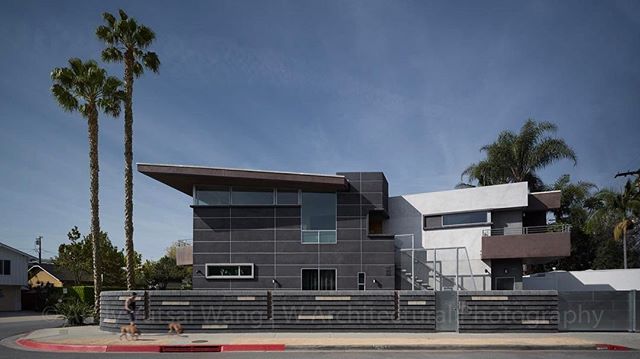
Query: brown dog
x=175, y=328
x=129, y=332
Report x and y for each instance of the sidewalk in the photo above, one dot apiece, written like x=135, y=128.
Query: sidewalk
x=90, y=338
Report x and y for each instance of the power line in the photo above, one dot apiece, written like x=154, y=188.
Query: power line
x=628, y=173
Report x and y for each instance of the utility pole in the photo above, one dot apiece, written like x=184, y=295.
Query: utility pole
x=39, y=244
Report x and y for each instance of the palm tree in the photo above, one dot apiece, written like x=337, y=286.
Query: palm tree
x=86, y=88
x=622, y=207
x=127, y=41
x=515, y=157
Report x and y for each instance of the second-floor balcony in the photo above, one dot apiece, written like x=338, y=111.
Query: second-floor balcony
x=537, y=242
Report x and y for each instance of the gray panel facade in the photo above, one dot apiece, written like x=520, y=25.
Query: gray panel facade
x=269, y=236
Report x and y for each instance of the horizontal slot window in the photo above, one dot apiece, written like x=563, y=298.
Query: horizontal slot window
x=229, y=270
x=240, y=196
x=288, y=197
x=464, y=218
x=212, y=196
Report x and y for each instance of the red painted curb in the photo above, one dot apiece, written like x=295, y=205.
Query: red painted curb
x=28, y=343
x=252, y=348
x=612, y=347
x=79, y=348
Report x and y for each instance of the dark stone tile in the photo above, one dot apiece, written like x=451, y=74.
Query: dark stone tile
x=252, y=212
x=252, y=235
x=210, y=223
x=252, y=223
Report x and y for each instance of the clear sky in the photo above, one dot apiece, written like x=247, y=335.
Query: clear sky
x=412, y=88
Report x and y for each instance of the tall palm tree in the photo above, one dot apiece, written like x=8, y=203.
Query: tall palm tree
x=127, y=42
x=622, y=207
x=516, y=157
x=86, y=88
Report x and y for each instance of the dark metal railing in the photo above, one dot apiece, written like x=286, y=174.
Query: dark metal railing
x=507, y=231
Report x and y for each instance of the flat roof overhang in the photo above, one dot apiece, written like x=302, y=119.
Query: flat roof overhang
x=183, y=178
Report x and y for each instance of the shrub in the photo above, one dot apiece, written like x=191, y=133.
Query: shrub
x=74, y=311
x=84, y=293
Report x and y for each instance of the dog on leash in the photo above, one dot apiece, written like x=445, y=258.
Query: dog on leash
x=129, y=332
x=175, y=328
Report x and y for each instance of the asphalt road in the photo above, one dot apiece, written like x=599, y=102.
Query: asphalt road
x=10, y=327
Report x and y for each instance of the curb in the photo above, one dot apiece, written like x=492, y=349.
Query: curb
x=79, y=348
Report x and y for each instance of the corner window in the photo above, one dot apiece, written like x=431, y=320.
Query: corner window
x=319, y=279
x=318, y=217
x=229, y=270
x=5, y=267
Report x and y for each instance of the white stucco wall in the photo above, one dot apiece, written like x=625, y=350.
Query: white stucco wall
x=589, y=280
x=406, y=213
x=512, y=195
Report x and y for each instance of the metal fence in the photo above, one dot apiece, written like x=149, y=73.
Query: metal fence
x=507, y=231
x=599, y=311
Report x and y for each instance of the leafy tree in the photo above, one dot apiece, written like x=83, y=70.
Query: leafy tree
x=516, y=157
x=158, y=274
x=86, y=88
x=575, y=203
x=127, y=42
x=620, y=209
x=73, y=256
x=76, y=256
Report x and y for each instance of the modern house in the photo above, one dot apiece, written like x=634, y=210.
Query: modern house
x=282, y=230
x=13, y=277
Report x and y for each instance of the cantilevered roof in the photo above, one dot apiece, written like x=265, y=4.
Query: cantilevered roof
x=183, y=178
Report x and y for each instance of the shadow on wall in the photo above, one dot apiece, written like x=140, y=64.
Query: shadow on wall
x=570, y=282
x=404, y=220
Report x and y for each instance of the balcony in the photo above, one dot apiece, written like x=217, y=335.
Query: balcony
x=538, y=242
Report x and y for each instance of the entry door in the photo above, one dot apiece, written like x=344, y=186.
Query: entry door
x=446, y=311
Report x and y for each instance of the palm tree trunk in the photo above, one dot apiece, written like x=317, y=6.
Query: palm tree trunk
x=128, y=169
x=624, y=247
x=95, y=207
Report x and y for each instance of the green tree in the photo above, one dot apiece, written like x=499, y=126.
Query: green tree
x=158, y=274
x=621, y=209
x=575, y=204
x=73, y=256
x=86, y=88
x=127, y=42
x=516, y=157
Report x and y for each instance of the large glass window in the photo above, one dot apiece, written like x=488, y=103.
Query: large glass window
x=212, y=196
x=229, y=271
x=319, y=279
x=464, y=218
x=246, y=196
x=318, y=217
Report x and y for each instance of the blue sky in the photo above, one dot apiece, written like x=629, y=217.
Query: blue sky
x=412, y=88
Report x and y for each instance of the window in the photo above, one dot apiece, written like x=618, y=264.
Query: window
x=319, y=279
x=362, y=279
x=318, y=218
x=464, y=218
x=5, y=267
x=229, y=270
x=212, y=196
x=288, y=197
x=240, y=196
